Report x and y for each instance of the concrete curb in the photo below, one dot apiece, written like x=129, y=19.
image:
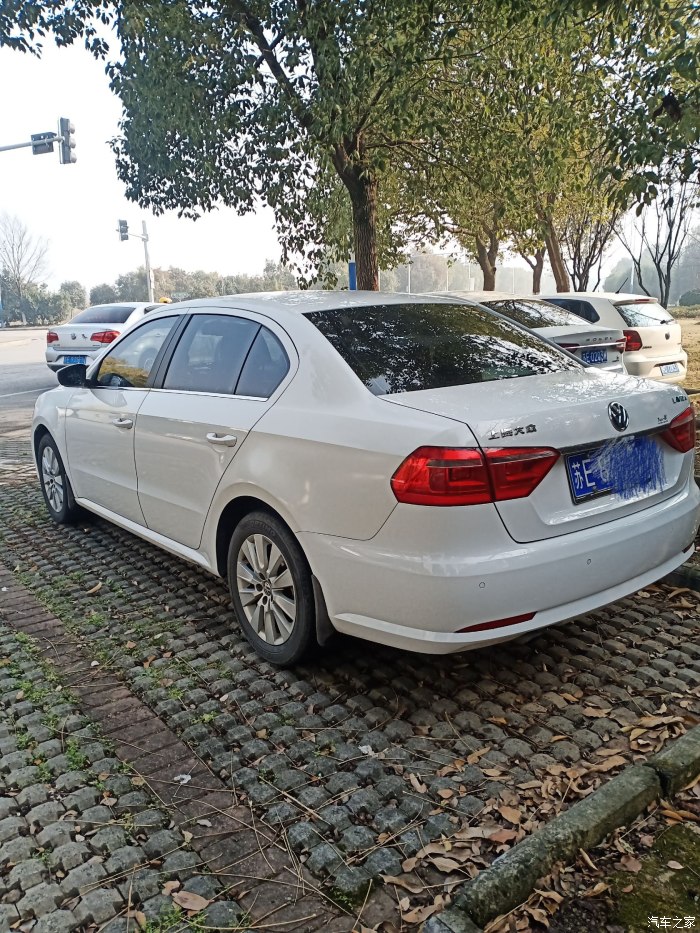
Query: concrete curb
x=513, y=876
x=684, y=576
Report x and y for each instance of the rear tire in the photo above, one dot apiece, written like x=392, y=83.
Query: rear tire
x=55, y=485
x=271, y=589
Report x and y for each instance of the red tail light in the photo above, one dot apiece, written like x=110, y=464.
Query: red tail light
x=632, y=340
x=680, y=434
x=105, y=336
x=51, y=337
x=621, y=345
x=466, y=476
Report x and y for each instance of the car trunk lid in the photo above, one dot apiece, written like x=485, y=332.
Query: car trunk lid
x=598, y=346
x=570, y=412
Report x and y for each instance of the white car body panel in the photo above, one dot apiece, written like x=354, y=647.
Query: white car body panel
x=322, y=453
x=661, y=343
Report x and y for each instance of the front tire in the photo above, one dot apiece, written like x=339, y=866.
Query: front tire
x=271, y=589
x=55, y=485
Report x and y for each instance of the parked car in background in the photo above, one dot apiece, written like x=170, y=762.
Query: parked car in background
x=86, y=335
x=413, y=471
x=652, y=337
x=594, y=344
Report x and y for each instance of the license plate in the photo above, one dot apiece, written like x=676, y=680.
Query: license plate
x=629, y=467
x=594, y=356
x=669, y=368
x=74, y=359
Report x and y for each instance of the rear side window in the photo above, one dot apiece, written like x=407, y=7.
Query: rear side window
x=210, y=354
x=104, y=314
x=531, y=313
x=406, y=348
x=644, y=313
x=265, y=368
x=577, y=306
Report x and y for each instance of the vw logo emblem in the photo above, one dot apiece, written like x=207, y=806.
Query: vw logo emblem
x=619, y=416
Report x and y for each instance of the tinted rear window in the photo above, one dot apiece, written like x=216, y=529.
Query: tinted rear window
x=531, y=313
x=578, y=307
x=103, y=314
x=644, y=313
x=405, y=348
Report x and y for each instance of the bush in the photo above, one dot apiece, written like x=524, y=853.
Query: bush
x=690, y=298
x=681, y=312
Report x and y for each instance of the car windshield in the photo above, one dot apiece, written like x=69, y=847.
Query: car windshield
x=103, y=314
x=643, y=313
x=532, y=313
x=406, y=348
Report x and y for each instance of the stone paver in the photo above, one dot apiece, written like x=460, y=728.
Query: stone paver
x=353, y=762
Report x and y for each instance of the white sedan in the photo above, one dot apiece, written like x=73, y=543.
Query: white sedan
x=86, y=335
x=407, y=470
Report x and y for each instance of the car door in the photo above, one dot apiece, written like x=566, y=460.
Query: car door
x=100, y=420
x=217, y=385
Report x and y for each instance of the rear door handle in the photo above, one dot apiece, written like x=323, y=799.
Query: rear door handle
x=222, y=440
x=123, y=423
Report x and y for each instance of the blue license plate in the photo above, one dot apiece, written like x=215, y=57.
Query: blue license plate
x=74, y=359
x=594, y=356
x=669, y=368
x=629, y=467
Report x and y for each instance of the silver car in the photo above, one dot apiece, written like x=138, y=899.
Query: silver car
x=84, y=337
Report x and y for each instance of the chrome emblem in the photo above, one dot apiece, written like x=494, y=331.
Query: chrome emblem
x=72, y=336
x=619, y=416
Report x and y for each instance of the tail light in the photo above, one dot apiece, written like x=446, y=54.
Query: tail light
x=680, y=434
x=466, y=476
x=51, y=337
x=105, y=336
x=621, y=345
x=632, y=340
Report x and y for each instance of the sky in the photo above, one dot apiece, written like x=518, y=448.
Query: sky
x=76, y=207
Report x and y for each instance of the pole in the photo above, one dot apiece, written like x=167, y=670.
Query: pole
x=409, y=275
x=149, y=274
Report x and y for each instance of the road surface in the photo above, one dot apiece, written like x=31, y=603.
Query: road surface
x=24, y=375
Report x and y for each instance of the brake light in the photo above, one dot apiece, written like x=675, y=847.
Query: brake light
x=632, y=340
x=467, y=476
x=680, y=434
x=105, y=336
x=51, y=337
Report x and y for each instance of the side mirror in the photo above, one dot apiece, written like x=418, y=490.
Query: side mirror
x=73, y=375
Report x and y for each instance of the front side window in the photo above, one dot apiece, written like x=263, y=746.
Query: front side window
x=129, y=363
x=210, y=354
x=643, y=313
x=406, y=348
x=532, y=313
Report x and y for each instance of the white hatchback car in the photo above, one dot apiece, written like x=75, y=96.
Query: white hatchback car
x=86, y=335
x=407, y=470
x=653, y=339
x=593, y=344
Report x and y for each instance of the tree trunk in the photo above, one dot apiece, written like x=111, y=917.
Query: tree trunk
x=364, y=222
x=537, y=267
x=363, y=189
x=556, y=260
x=486, y=257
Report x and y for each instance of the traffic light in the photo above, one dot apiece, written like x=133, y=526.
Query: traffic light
x=66, y=131
x=123, y=230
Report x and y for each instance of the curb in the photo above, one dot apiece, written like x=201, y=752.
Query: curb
x=684, y=576
x=512, y=877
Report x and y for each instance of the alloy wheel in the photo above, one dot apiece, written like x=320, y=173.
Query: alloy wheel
x=52, y=479
x=266, y=589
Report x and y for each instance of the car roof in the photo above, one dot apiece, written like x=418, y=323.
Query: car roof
x=295, y=303
x=611, y=296
x=482, y=297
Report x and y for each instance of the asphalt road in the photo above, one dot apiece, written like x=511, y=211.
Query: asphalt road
x=23, y=375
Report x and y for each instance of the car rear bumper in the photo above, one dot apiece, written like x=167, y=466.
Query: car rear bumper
x=413, y=590
x=650, y=367
x=55, y=360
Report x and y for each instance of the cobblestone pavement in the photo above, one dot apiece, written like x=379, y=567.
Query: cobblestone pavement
x=365, y=761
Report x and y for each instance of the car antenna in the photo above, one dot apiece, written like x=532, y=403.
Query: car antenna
x=619, y=288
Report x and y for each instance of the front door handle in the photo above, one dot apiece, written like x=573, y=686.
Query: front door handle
x=222, y=440
x=123, y=423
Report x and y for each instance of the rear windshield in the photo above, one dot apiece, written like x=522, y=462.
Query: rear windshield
x=103, y=314
x=531, y=313
x=644, y=313
x=405, y=348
